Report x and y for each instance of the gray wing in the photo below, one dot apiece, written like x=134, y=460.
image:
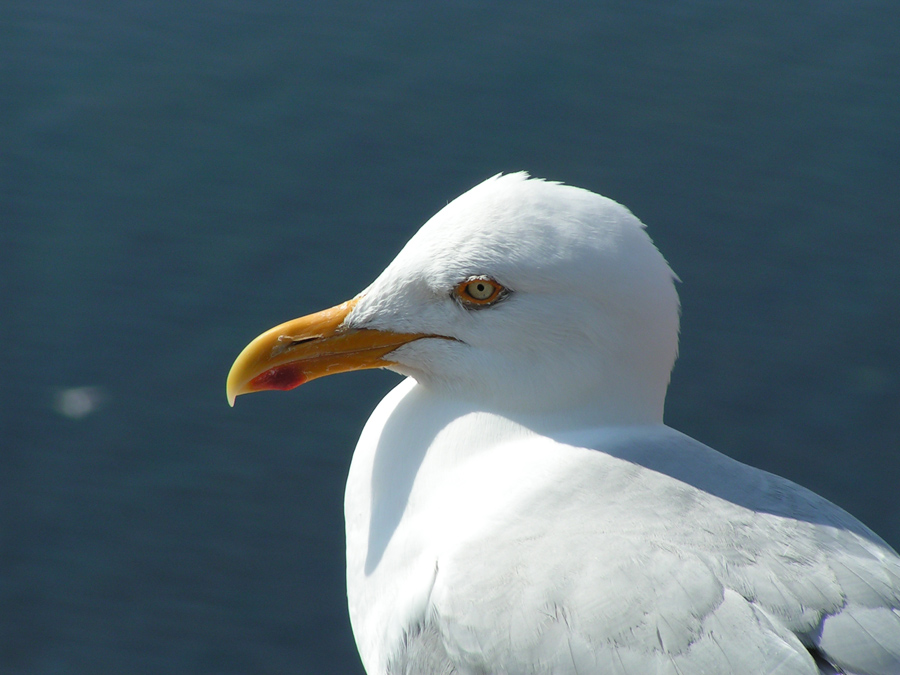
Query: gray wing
x=661, y=556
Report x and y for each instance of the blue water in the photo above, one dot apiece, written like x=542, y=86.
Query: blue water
x=178, y=176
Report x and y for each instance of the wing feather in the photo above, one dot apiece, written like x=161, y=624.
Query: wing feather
x=647, y=566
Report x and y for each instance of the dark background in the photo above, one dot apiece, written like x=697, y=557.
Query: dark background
x=179, y=176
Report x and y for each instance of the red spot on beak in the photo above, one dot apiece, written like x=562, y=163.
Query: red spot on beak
x=282, y=378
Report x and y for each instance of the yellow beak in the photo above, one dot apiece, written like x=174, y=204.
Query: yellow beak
x=301, y=350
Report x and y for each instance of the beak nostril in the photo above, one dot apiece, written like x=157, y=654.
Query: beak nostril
x=288, y=341
x=301, y=340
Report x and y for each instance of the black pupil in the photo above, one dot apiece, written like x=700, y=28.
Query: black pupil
x=480, y=290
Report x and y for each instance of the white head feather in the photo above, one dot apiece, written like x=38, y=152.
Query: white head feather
x=590, y=326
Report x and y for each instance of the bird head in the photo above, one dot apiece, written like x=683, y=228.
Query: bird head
x=521, y=295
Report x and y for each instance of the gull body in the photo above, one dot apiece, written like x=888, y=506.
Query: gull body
x=517, y=504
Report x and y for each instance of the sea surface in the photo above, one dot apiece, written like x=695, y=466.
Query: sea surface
x=176, y=177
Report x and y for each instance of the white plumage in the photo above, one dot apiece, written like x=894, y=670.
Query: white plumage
x=517, y=504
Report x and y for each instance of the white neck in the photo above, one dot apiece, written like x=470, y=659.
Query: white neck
x=406, y=456
x=410, y=493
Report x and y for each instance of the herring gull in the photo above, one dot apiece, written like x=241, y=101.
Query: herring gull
x=517, y=505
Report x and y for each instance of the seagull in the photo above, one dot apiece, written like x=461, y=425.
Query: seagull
x=517, y=505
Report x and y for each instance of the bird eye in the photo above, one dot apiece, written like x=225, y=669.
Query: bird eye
x=479, y=291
